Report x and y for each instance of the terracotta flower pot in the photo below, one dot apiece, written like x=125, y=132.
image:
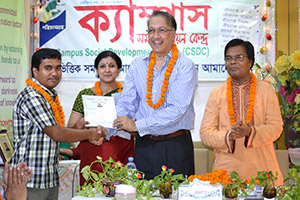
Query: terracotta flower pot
x=269, y=192
x=165, y=190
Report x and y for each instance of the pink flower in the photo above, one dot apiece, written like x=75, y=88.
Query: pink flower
x=119, y=162
x=172, y=170
x=268, y=175
x=296, y=90
x=164, y=167
x=291, y=98
x=282, y=90
x=288, y=116
x=139, y=176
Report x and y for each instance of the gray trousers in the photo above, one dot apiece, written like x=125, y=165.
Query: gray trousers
x=42, y=194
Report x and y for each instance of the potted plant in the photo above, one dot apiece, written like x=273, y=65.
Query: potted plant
x=143, y=187
x=235, y=186
x=165, y=180
x=267, y=180
x=291, y=192
x=113, y=173
x=103, y=183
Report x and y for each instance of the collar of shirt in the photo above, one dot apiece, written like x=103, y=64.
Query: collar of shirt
x=52, y=92
x=167, y=57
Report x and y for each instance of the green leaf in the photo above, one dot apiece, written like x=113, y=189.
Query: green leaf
x=95, y=176
x=85, y=174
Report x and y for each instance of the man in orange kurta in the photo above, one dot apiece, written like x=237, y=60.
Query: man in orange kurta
x=243, y=147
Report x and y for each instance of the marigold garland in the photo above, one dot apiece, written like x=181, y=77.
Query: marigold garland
x=167, y=74
x=56, y=106
x=251, y=100
x=98, y=89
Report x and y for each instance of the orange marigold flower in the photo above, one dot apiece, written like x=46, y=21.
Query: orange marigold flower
x=150, y=75
x=165, y=82
x=163, y=89
x=163, y=94
x=169, y=70
x=148, y=96
x=159, y=103
x=167, y=73
x=149, y=101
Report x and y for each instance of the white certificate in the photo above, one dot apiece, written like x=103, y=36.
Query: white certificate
x=99, y=110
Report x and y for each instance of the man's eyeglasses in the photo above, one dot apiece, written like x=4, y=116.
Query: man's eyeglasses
x=238, y=58
x=162, y=31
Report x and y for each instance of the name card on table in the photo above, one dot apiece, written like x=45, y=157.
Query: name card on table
x=196, y=192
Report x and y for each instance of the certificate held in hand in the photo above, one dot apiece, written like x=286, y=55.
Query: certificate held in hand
x=99, y=110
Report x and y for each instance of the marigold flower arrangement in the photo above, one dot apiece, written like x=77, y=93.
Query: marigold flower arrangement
x=285, y=78
x=216, y=176
x=233, y=181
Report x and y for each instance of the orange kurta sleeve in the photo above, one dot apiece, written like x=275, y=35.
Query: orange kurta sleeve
x=210, y=132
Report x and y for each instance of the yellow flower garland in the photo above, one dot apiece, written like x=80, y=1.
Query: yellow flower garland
x=56, y=106
x=165, y=85
x=251, y=100
x=98, y=89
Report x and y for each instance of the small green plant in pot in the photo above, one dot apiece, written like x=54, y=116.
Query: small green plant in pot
x=235, y=186
x=291, y=192
x=267, y=180
x=165, y=180
x=103, y=183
